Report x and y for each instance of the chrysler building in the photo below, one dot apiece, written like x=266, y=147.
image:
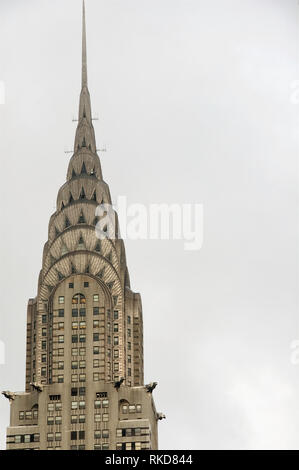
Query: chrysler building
x=84, y=360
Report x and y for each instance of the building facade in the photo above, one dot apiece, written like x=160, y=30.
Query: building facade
x=84, y=363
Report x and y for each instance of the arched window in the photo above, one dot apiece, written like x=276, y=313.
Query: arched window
x=78, y=299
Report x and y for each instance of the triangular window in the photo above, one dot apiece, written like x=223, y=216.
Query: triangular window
x=98, y=247
x=67, y=223
x=82, y=194
x=83, y=169
x=81, y=244
x=81, y=219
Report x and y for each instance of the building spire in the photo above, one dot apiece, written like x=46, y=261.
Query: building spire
x=85, y=137
x=84, y=54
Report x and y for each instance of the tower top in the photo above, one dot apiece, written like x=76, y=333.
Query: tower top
x=84, y=53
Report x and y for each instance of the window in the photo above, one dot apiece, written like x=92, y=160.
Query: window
x=43, y=371
x=81, y=391
x=74, y=392
x=105, y=417
x=71, y=285
x=96, y=363
x=129, y=332
x=81, y=405
x=96, y=323
x=131, y=408
x=50, y=406
x=82, y=325
x=96, y=377
x=82, y=419
x=61, y=299
x=60, y=379
x=81, y=435
x=96, y=297
x=96, y=337
x=61, y=326
x=96, y=350
x=75, y=325
x=115, y=340
x=61, y=312
x=58, y=420
x=115, y=314
x=138, y=408
x=97, y=434
x=60, y=352
x=83, y=312
x=74, y=352
x=60, y=365
x=82, y=351
x=129, y=346
x=86, y=284
x=82, y=338
x=78, y=299
x=74, y=339
x=74, y=419
x=50, y=420
x=44, y=344
x=73, y=435
x=115, y=327
x=44, y=318
x=105, y=403
x=129, y=359
x=28, y=415
x=129, y=319
x=21, y=415
x=119, y=433
x=61, y=339
x=125, y=409
x=129, y=372
x=105, y=433
x=82, y=364
x=97, y=418
x=74, y=405
x=44, y=331
x=74, y=312
x=105, y=447
x=58, y=436
x=75, y=378
x=50, y=437
x=97, y=404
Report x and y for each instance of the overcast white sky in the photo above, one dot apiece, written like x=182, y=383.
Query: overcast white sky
x=194, y=105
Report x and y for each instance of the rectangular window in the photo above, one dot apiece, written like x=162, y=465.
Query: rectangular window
x=82, y=351
x=44, y=318
x=60, y=379
x=73, y=435
x=81, y=405
x=115, y=340
x=50, y=420
x=74, y=339
x=44, y=344
x=44, y=331
x=82, y=364
x=21, y=415
x=74, y=365
x=61, y=299
x=129, y=359
x=115, y=327
x=61, y=312
x=82, y=391
x=129, y=333
x=129, y=372
x=50, y=437
x=138, y=408
x=82, y=419
x=97, y=434
x=43, y=371
x=105, y=403
x=82, y=325
x=74, y=352
x=82, y=378
x=132, y=409
x=71, y=285
x=81, y=435
x=74, y=312
x=97, y=404
x=96, y=323
x=74, y=378
x=96, y=337
x=96, y=363
x=28, y=415
x=60, y=352
x=82, y=338
x=116, y=367
x=50, y=406
x=74, y=392
x=86, y=284
x=74, y=419
x=96, y=310
x=75, y=325
x=129, y=319
x=105, y=417
x=105, y=433
x=58, y=420
x=125, y=409
x=116, y=353
x=60, y=365
x=58, y=406
x=97, y=418
x=61, y=339
x=129, y=346
x=58, y=436
x=96, y=350
x=61, y=326
x=96, y=297
x=115, y=314
x=74, y=405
